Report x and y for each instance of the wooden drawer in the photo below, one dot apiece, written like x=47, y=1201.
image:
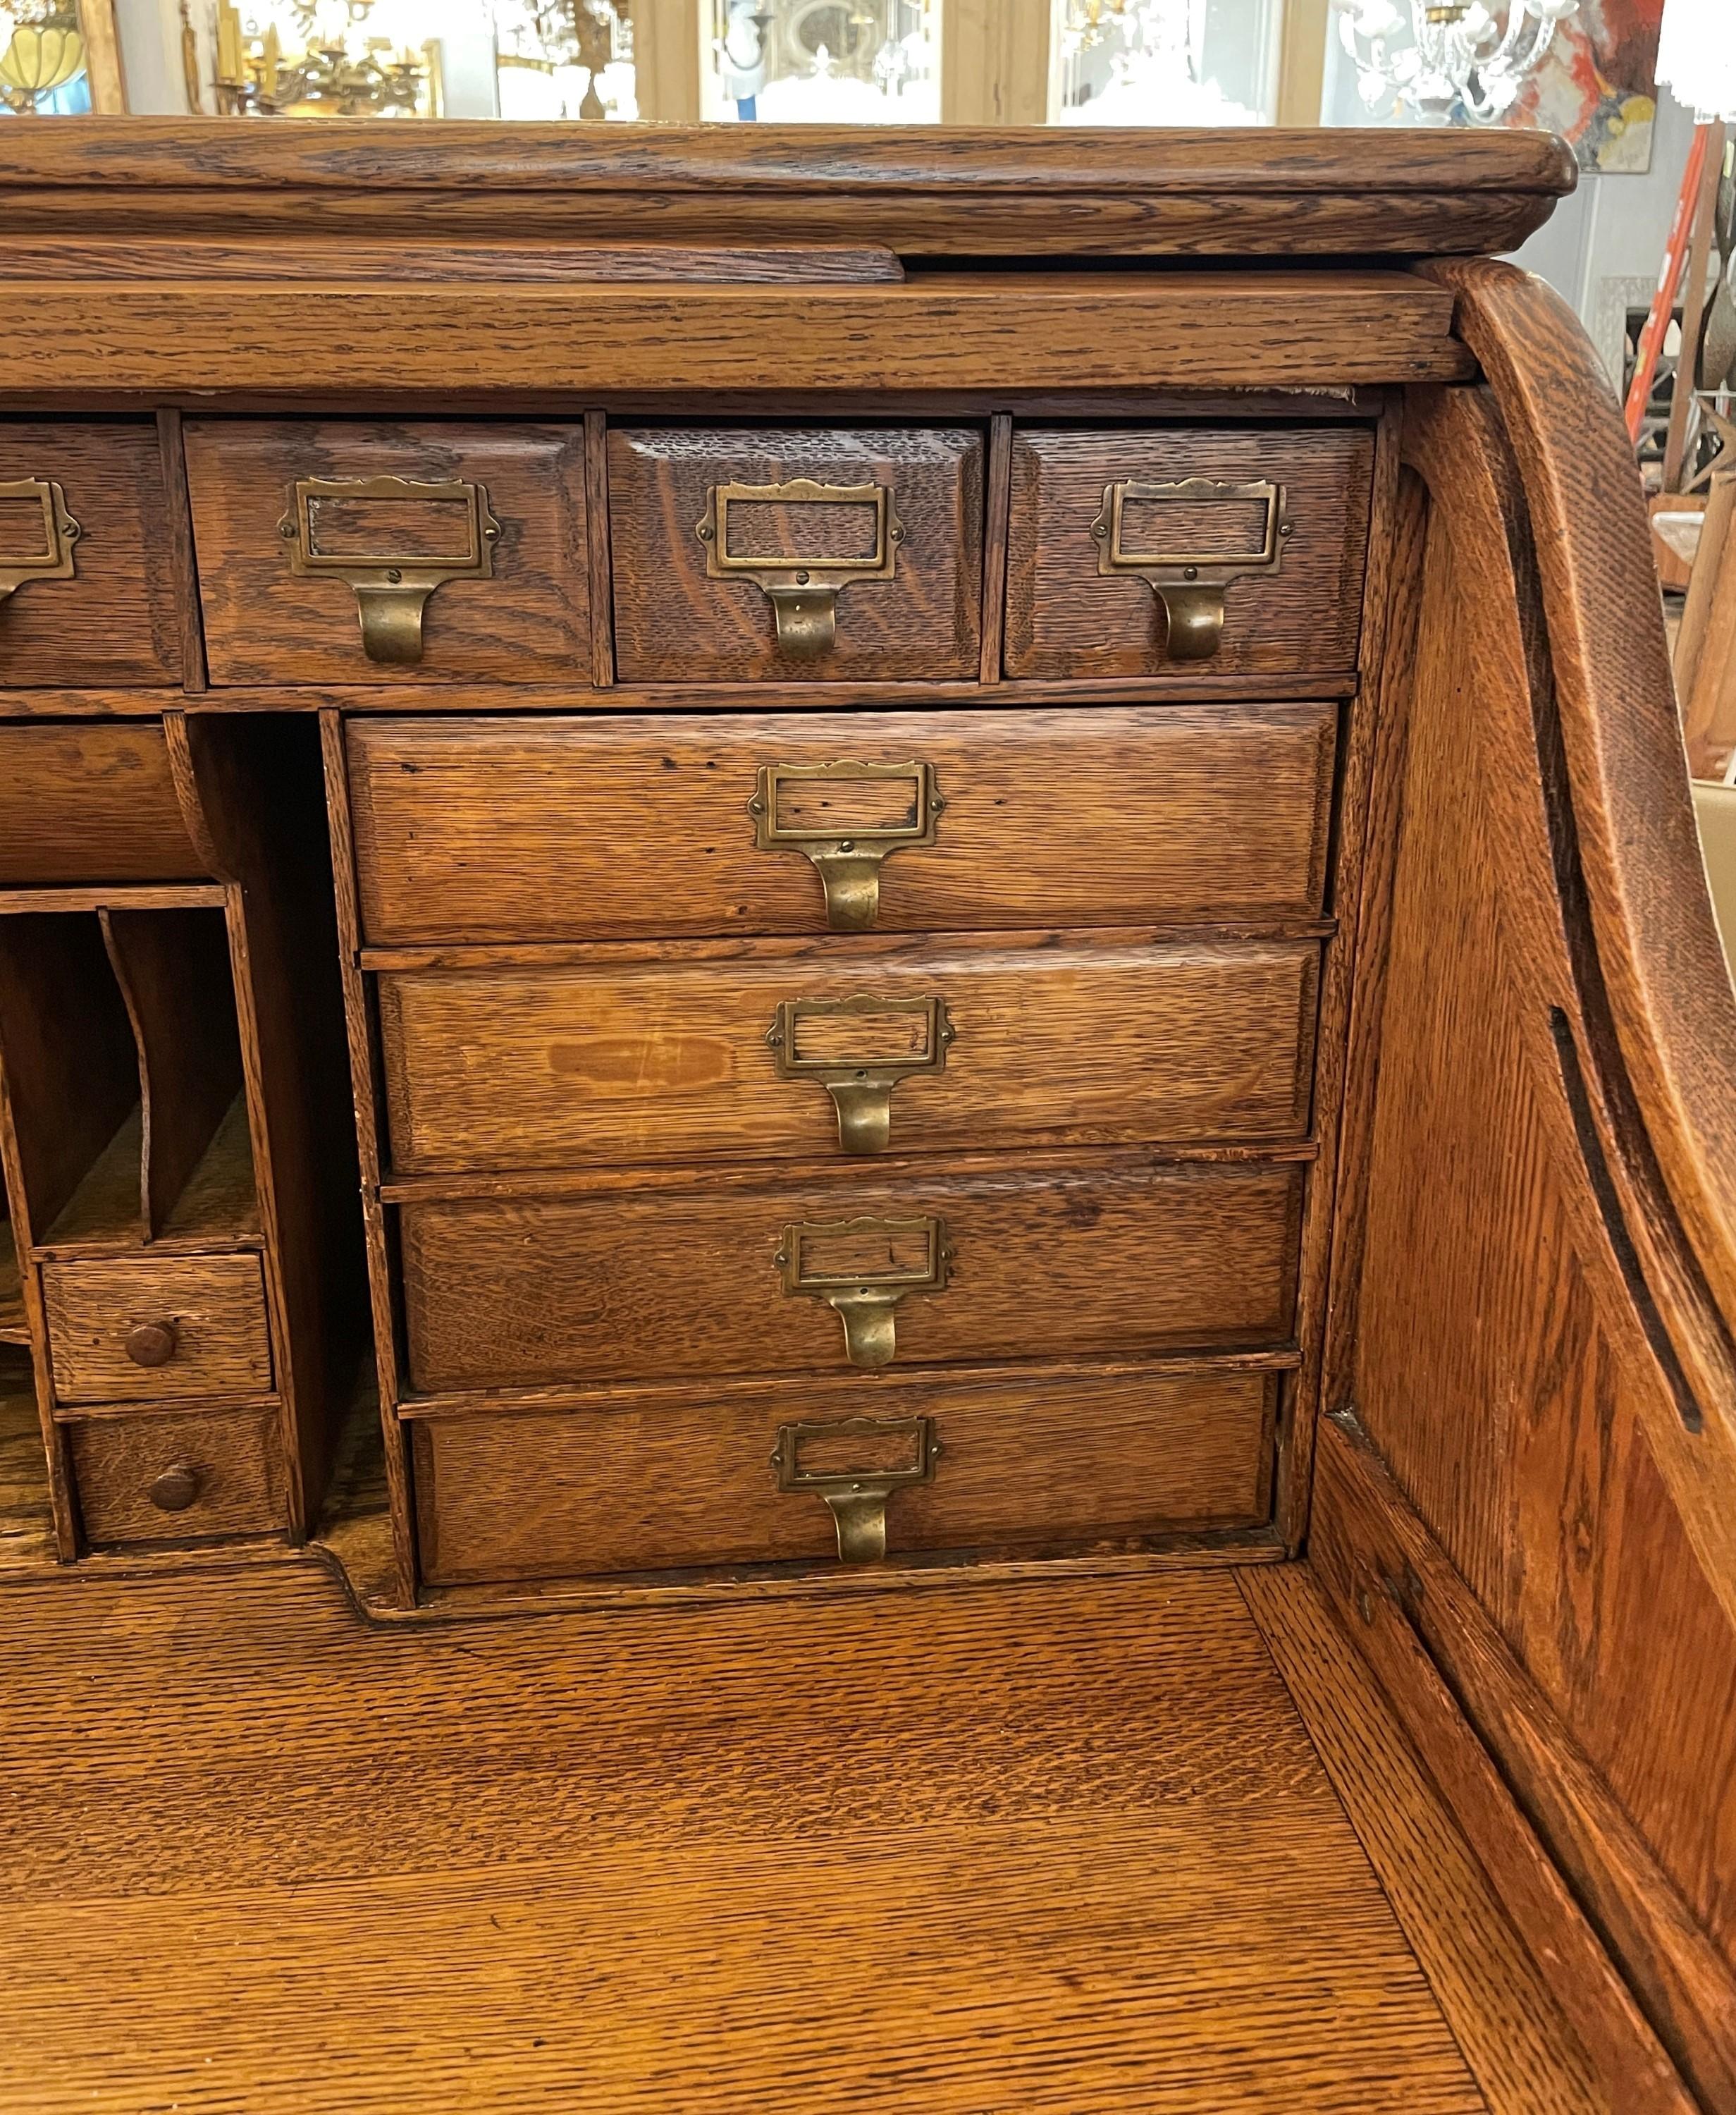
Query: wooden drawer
x=89, y=803
x=1100, y=1257
x=175, y=1476
x=1067, y=617
x=156, y=1328
x=1027, y=1466
x=448, y=548
x=551, y=829
x=922, y=1047
x=796, y=551
x=85, y=549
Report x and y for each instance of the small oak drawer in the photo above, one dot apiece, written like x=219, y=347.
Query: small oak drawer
x=791, y=1051
x=174, y=1476
x=1099, y=1257
x=156, y=1328
x=1021, y=1465
x=87, y=569
x=797, y=552
x=360, y=551
x=89, y=802
x=1187, y=550
x=571, y=829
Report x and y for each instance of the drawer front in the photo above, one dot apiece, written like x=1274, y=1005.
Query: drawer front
x=89, y=804
x=156, y=1328
x=800, y=553
x=360, y=551
x=508, y=830
x=174, y=1477
x=1035, y=1466
x=1107, y=1257
x=805, y=1053
x=87, y=579
x=1256, y=568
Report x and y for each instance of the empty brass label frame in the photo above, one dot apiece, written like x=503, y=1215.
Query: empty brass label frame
x=857, y=1497
x=60, y=532
x=847, y=856
x=861, y=1086
x=864, y=1299
x=1188, y=585
x=391, y=587
x=803, y=592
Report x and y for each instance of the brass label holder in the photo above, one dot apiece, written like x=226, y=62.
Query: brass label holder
x=60, y=532
x=861, y=1087
x=861, y=1268
x=1188, y=585
x=803, y=592
x=857, y=1497
x=391, y=589
x=847, y=856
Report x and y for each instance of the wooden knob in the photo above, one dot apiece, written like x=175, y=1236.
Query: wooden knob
x=175, y=1488
x=151, y=1344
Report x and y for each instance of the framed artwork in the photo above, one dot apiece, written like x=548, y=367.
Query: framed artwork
x=59, y=59
x=1598, y=86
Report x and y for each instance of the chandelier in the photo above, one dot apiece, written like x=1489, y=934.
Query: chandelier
x=342, y=70
x=1449, y=60
x=40, y=51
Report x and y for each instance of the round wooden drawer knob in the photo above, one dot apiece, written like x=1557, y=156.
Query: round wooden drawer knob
x=151, y=1344
x=175, y=1488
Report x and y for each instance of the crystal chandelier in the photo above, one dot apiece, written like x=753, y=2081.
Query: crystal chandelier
x=1449, y=61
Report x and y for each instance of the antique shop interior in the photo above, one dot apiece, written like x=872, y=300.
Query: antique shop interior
x=868, y=1085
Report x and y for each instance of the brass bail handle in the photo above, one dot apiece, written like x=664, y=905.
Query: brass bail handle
x=859, y=1512
x=392, y=622
x=1188, y=585
x=847, y=820
x=870, y=1045
x=861, y=1268
x=1194, y=621
x=805, y=619
x=803, y=590
x=857, y=1497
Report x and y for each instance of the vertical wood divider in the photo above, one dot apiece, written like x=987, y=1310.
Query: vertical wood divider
x=194, y=675
x=995, y=529
x=597, y=548
x=54, y=1438
x=364, y=1085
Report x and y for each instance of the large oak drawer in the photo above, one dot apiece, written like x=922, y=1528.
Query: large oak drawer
x=175, y=1476
x=89, y=802
x=364, y=551
x=87, y=567
x=745, y=552
x=152, y=1328
x=1023, y=1465
x=1098, y=1256
x=1166, y=550
x=569, y=828
x=803, y=1047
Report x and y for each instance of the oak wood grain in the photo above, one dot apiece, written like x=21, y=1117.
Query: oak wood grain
x=1053, y=1044
x=214, y=1306
x=348, y=257
x=1026, y=1467
x=89, y=804
x=1063, y=619
x=235, y=1461
x=531, y=619
x=1103, y=1255
x=466, y=830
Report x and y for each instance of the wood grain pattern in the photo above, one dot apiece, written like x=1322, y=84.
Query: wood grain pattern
x=348, y=258
x=1099, y=1256
x=1054, y=1044
x=1112, y=1875
x=1063, y=619
x=26, y=1515
x=1518, y=2041
x=117, y=619
x=1026, y=1468
x=215, y=1304
x=89, y=804
x=1178, y=814
x=99, y=342
x=233, y=1457
x=672, y=620
x=262, y=623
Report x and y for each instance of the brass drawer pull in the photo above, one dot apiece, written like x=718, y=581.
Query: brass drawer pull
x=848, y=819
x=334, y=529
x=856, y=1465
x=861, y=1268
x=1189, y=585
x=49, y=559
x=802, y=589
x=859, y=1050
